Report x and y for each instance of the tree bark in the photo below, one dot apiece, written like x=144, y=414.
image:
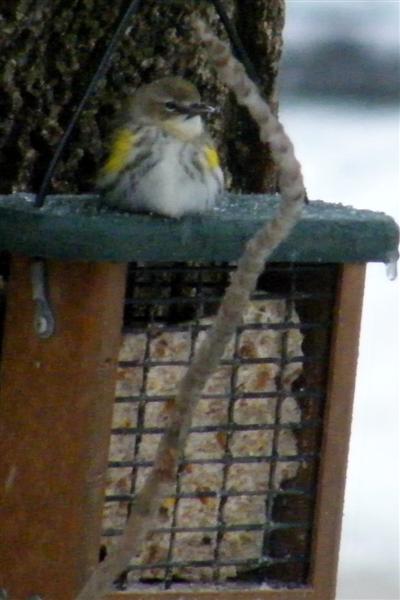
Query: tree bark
x=49, y=51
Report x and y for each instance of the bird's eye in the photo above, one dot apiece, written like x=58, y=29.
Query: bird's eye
x=171, y=106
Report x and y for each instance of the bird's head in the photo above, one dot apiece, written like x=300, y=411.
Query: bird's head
x=173, y=104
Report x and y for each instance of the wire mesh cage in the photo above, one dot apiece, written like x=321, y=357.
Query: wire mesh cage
x=242, y=508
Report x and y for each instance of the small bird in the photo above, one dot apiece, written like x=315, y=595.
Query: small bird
x=162, y=159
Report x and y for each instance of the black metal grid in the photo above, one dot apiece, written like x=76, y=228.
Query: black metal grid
x=176, y=299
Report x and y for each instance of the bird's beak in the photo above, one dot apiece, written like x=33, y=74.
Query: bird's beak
x=199, y=109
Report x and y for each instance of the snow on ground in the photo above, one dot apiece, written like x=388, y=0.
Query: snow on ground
x=350, y=154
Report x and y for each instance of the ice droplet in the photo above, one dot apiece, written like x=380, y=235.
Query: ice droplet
x=29, y=199
x=391, y=268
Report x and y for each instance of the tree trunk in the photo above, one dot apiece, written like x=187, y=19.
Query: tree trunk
x=50, y=50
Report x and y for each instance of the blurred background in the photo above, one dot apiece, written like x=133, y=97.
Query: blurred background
x=339, y=99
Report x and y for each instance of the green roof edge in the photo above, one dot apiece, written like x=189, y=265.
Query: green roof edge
x=75, y=228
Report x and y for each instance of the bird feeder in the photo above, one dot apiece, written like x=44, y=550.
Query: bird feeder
x=257, y=504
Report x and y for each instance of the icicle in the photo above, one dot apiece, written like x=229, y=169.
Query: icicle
x=391, y=267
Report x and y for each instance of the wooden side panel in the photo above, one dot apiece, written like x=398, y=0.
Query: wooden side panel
x=55, y=412
x=337, y=425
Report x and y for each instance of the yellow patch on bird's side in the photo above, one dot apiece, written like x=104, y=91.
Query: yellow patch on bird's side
x=121, y=148
x=212, y=157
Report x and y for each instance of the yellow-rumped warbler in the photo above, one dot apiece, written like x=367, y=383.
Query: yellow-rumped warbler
x=162, y=159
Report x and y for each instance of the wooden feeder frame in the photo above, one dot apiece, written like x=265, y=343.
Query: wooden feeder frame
x=57, y=394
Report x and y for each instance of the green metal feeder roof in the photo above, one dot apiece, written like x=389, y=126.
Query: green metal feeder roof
x=77, y=228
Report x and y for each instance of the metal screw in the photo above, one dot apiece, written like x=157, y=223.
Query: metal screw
x=44, y=320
